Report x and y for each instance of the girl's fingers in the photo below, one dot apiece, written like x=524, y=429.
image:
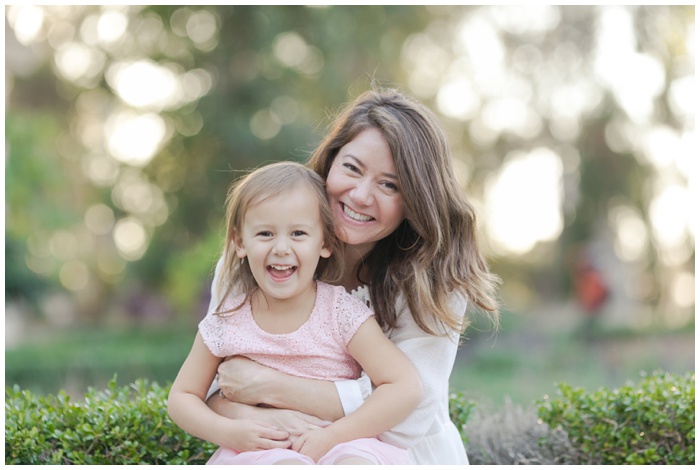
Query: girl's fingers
x=275, y=444
x=274, y=434
x=298, y=443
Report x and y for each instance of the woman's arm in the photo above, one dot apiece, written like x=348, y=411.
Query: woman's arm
x=187, y=409
x=244, y=381
x=294, y=422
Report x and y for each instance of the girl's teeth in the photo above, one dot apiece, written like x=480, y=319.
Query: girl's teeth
x=356, y=215
x=281, y=268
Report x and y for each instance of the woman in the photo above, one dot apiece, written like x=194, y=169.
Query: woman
x=411, y=255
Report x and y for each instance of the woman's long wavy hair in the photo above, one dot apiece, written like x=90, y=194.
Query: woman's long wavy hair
x=434, y=251
x=266, y=182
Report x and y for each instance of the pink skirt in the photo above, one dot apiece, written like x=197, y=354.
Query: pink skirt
x=372, y=449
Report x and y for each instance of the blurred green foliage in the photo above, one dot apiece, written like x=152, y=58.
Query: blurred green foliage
x=647, y=423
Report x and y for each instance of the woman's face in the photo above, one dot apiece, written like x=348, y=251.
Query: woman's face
x=363, y=191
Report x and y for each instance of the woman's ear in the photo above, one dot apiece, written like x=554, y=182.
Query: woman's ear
x=238, y=244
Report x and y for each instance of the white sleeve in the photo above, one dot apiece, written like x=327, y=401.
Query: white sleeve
x=353, y=393
x=433, y=356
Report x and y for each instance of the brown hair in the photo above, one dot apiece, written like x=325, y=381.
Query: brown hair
x=257, y=186
x=434, y=251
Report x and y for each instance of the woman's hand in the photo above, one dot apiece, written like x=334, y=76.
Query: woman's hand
x=244, y=381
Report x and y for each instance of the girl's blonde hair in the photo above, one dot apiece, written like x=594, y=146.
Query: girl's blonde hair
x=259, y=185
x=434, y=250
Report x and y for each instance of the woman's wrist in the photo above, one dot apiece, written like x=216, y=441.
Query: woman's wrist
x=218, y=403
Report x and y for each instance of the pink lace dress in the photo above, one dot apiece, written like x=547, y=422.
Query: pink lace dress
x=316, y=350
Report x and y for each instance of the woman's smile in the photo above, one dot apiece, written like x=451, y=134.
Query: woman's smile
x=355, y=215
x=363, y=187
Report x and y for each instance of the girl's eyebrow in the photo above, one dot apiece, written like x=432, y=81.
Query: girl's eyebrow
x=363, y=166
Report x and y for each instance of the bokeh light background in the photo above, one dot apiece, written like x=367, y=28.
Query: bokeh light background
x=572, y=130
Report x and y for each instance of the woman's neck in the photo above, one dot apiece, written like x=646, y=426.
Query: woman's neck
x=353, y=258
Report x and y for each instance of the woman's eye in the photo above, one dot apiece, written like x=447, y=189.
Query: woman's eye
x=351, y=167
x=390, y=186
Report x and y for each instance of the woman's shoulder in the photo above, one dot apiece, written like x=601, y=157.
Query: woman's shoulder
x=340, y=296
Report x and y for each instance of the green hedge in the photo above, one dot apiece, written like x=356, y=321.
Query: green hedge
x=124, y=426
x=652, y=422
x=121, y=426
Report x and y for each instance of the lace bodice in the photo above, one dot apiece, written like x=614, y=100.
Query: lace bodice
x=317, y=349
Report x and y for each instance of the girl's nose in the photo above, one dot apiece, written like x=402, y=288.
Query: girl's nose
x=281, y=247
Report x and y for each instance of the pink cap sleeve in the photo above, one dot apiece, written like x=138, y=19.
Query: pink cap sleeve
x=351, y=313
x=212, y=328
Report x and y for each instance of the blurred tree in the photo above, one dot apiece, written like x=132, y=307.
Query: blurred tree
x=126, y=124
x=225, y=88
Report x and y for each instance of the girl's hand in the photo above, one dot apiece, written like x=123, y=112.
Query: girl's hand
x=245, y=435
x=315, y=443
x=242, y=380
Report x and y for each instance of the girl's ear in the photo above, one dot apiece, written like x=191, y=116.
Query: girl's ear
x=238, y=243
x=326, y=251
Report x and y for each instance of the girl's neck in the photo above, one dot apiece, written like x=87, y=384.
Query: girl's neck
x=263, y=303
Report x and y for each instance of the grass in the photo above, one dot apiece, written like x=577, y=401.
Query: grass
x=84, y=357
x=524, y=362
x=518, y=365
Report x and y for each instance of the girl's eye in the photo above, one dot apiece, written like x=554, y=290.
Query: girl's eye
x=298, y=233
x=265, y=233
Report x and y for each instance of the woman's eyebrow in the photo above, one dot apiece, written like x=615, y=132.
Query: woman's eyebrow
x=363, y=166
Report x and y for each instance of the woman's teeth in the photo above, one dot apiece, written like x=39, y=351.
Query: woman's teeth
x=356, y=215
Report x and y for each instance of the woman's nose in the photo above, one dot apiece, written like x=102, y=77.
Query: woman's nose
x=362, y=192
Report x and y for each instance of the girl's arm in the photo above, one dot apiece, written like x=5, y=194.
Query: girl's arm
x=187, y=409
x=398, y=391
x=434, y=357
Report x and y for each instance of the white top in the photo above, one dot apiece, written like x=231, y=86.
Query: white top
x=428, y=432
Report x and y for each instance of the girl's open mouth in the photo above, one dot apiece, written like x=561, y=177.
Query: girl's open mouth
x=280, y=271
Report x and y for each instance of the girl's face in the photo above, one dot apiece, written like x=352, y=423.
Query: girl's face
x=283, y=238
x=363, y=191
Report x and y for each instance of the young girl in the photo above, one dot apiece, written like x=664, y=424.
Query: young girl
x=280, y=230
